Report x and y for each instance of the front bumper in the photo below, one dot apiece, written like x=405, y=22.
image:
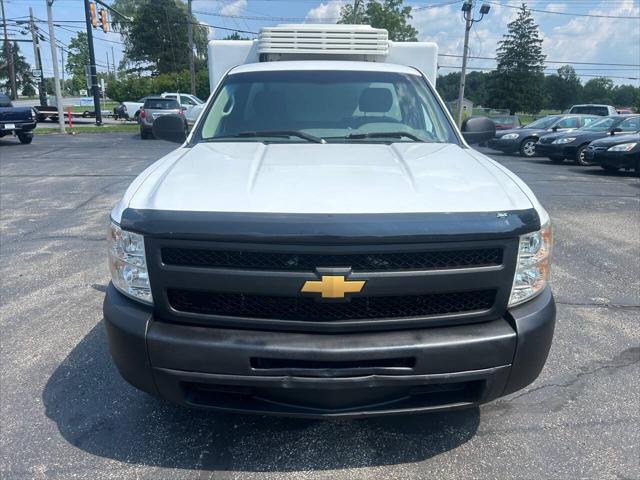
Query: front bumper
x=613, y=159
x=556, y=150
x=329, y=375
x=506, y=146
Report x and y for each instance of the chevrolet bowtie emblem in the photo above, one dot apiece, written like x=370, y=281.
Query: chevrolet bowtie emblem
x=333, y=286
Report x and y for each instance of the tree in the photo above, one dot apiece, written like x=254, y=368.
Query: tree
x=388, y=14
x=562, y=89
x=22, y=71
x=235, y=36
x=598, y=90
x=624, y=95
x=519, y=79
x=77, y=60
x=156, y=39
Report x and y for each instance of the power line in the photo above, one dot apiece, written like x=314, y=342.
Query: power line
x=571, y=14
x=564, y=62
x=457, y=67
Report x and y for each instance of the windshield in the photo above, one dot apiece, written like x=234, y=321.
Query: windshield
x=161, y=104
x=601, y=125
x=543, y=123
x=331, y=106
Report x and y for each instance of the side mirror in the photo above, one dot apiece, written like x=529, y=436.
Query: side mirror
x=554, y=128
x=171, y=128
x=478, y=129
x=615, y=130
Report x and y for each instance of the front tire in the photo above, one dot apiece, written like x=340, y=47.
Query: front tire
x=528, y=148
x=581, y=156
x=25, y=139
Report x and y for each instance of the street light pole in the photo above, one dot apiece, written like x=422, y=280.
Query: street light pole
x=54, y=61
x=467, y=9
x=192, y=68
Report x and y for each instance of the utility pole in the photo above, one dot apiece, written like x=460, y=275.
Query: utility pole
x=92, y=65
x=54, y=61
x=192, y=68
x=8, y=50
x=354, y=20
x=113, y=62
x=38, y=58
x=108, y=66
x=467, y=9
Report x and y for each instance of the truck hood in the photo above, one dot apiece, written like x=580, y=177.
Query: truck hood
x=326, y=178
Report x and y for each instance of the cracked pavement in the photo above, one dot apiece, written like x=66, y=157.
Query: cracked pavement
x=66, y=413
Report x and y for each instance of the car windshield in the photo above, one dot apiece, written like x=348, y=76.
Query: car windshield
x=543, y=123
x=601, y=125
x=325, y=105
x=161, y=104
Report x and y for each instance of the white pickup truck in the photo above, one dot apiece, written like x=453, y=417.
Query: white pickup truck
x=325, y=242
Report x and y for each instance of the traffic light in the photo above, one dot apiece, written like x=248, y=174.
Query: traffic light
x=92, y=11
x=103, y=20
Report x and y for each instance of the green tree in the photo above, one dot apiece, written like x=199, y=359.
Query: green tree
x=519, y=80
x=235, y=36
x=598, y=90
x=156, y=39
x=624, y=95
x=77, y=60
x=389, y=14
x=22, y=71
x=563, y=89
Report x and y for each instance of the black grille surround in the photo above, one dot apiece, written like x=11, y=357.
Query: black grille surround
x=309, y=309
x=257, y=286
x=301, y=261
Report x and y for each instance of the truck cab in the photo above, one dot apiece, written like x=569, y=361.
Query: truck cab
x=325, y=243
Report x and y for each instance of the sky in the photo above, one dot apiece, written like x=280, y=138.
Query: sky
x=582, y=32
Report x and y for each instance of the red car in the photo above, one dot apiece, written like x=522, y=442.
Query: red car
x=506, y=122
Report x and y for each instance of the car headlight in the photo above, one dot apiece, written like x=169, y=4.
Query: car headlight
x=532, y=270
x=128, y=264
x=560, y=141
x=511, y=136
x=623, y=147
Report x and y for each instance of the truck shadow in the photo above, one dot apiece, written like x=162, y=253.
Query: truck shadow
x=96, y=411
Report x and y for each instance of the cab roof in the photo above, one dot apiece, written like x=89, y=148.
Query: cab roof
x=324, y=65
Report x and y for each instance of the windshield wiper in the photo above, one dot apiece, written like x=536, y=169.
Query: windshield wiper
x=272, y=133
x=385, y=135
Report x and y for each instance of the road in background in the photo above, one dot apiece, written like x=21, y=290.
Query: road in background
x=66, y=413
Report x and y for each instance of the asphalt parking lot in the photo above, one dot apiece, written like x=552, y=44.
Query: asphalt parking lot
x=66, y=413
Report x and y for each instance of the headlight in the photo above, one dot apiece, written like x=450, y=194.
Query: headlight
x=560, y=141
x=532, y=270
x=623, y=147
x=128, y=263
x=511, y=136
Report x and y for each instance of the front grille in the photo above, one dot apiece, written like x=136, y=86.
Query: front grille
x=379, y=261
x=308, y=309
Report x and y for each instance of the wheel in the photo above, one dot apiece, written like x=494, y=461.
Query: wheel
x=609, y=168
x=556, y=159
x=528, y=147
x=581, y=156
x=25, y=139
x=86, y=114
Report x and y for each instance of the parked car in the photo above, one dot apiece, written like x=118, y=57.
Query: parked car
x=624, y=111
x=153, y=108
x=616, y=152
x=524, y=139
x=572, y=145
x=132, y=109
x=191, y=105
x=18, y=121
x=506, y=122
x=593, y=109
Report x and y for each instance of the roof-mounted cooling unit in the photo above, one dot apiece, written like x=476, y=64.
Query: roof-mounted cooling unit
x=309, y=39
